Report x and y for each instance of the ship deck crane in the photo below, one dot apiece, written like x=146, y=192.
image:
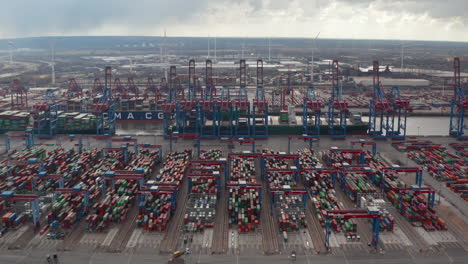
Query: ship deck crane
x=337, y=106
x=119, y=89
x=74, y=90
x=133, y=91
x=152, y=90
x=18, y=95
x=459, y=105
x=98, y=88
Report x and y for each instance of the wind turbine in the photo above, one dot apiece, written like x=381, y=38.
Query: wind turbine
x=313, y=49
x=131, y=65
x=11, y=45
x=52, y=63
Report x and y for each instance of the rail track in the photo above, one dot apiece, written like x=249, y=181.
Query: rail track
x=314, y=227
x=120, y=240
x=455, y=224
x=363, y=227
x=221, y=228
x=171, y=238
x=72, y=238
x=269, y=229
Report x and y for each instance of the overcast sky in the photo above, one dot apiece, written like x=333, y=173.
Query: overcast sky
x=375, y=19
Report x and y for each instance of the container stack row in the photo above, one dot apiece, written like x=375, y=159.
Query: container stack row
x=174, y=168
x=76, y=121
x=200, y=214
x=14, y=120
x=244, y=205
x=212, y=154
x=307, y=159
x=242, y=169
x=122, y=193
x=13, y=220
x=324, y=198
x=355, y=184
x=387, y=222
x=336, y=159
x=446, y=167
x=414, y=208
x=156, y=209
x=201, y=207
x=289, y=207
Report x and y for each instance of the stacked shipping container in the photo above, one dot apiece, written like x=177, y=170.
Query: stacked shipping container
x=155, y=210
x=244, y=205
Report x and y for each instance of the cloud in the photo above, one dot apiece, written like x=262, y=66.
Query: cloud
x=398, y=19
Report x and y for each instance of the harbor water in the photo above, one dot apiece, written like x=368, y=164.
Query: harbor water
x=416, y=125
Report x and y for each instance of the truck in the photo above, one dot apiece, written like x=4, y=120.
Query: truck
x=178, y=253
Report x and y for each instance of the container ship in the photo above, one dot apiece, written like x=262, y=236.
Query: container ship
x=209, y=110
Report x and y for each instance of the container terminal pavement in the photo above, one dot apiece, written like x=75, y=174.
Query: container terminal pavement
x=131, y=200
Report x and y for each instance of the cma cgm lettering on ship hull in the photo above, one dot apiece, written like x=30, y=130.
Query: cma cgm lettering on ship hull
x=138, y=116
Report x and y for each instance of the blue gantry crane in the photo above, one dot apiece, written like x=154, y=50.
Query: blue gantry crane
x=104, y=107
x=242, y=114
x=371, y=213
x=459, y=105
x=45, y=119
x=312, y=110
x=379, y=107
x=12, y=197
x=225, y=113
x=260, y=107
x=169, y=107
x=399, y=116
x=337, y=107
